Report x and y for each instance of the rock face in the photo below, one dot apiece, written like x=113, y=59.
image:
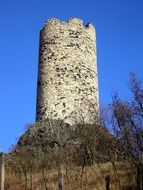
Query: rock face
x=67, y=86
x=45, y=133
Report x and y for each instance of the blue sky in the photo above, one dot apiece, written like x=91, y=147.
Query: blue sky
x=119, y=27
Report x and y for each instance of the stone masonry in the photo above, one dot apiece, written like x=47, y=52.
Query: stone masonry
x=67, y=86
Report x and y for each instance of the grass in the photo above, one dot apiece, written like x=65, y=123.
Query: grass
x=91, y=178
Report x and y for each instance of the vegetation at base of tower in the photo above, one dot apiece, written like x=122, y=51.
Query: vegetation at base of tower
x=55, y=155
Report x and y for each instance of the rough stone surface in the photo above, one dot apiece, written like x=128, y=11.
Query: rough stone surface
x=67, y=74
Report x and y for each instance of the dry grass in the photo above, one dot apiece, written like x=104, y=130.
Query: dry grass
x=91, y=178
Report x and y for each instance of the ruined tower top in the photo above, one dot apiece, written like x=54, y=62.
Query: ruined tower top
x=67, y=76
x=71, y=22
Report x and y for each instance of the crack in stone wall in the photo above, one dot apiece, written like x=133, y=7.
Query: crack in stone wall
x=67, y=74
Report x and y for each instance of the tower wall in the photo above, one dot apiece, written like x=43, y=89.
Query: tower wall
x=67, y=75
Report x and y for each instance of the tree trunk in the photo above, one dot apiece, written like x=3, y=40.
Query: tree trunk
x=44, y=178
x=2, y=171
x=107, y=181
x=60, y=177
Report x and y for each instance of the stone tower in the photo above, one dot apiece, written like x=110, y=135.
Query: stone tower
x=67, y=86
